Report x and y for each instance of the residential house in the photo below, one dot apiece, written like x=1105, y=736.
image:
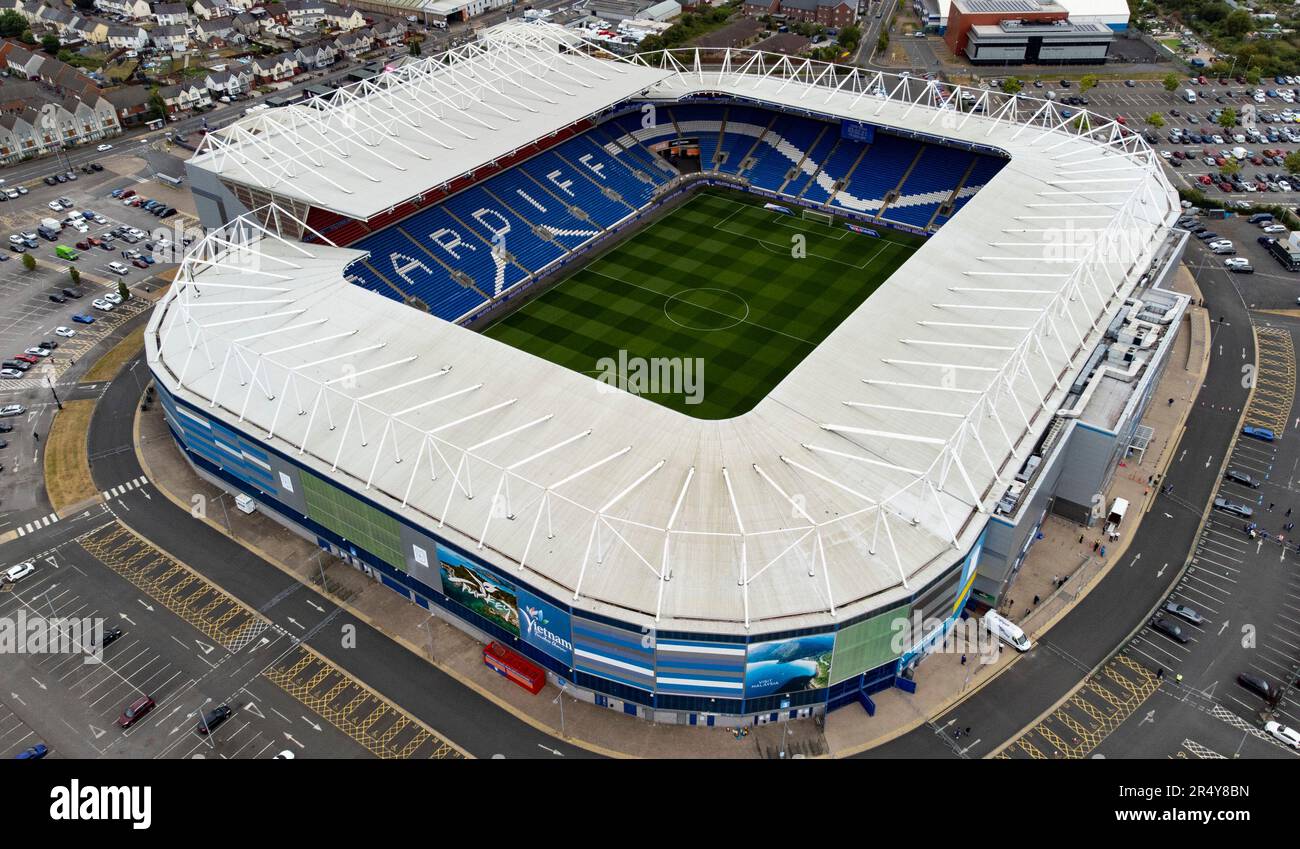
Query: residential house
x=228, y=83
x=207, y=9
x=127, y=37
x=131, y=104
x=136, y=9
x=305, y=12
x=184, y=97
x=246, y=24
x=92, y=30
x=343, y=17
x=18, y=138
x=215, y=27
x=275, y=13
x=275, y=68
x=387, y=32
x=312, y=57
x=174, y=39
x=22, y=62
x=831, y=13
x=353, y=44
x=171, y=14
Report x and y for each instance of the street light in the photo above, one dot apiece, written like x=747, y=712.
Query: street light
x=560, y=701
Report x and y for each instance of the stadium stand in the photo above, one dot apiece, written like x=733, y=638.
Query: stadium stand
x=472, y=248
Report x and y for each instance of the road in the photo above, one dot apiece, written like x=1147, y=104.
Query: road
x=465, y=717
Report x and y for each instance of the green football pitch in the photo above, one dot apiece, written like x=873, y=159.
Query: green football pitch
x=716, y=287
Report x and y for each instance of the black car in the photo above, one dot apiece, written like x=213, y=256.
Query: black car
x=20, y=365
x=72, y=293
x=1170, y=629
x=58, y=298
x=51, y=181
x=5, y=427
x=1237, y=476
x=1257, y=685
x=18, y=249
x=48, y=344
x=110, y=635
x=95, y=166
x=211, y=720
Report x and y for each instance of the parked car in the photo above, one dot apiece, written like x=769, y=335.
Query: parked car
x=1261, y=433
x=65, y=332
x=33, y=753
x=14, y=574
x=1284, y=734
x=212, y=720
x=10, y=410
x=1257, y=685
x=58, y=297
x=101, y=304
x=1239, y=477
x=1170, y=629
x=1182, y=611
x=1221, y=503
x=84, y=319
x=136, y=711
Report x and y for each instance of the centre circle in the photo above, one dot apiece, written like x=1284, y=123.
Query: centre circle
x=725, y=318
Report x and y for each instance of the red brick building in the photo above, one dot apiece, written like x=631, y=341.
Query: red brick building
x=831, y=13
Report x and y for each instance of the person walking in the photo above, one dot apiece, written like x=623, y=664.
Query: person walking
x=963, y=660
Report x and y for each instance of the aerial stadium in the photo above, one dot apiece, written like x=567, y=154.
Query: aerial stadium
x=682, y=378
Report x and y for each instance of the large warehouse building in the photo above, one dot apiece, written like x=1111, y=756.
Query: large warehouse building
x=937, y=15
x=734, y=570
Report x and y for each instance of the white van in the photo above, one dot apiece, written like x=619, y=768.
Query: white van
x=1007, y=631
x=1189, y=95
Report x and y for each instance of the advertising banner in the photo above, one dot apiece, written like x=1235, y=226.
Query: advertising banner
x=545, y=626
x=478, y=588
x=788, y=666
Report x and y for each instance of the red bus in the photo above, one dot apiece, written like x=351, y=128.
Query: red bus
x=510, y=665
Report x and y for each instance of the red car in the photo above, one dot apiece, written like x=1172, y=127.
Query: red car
x=135, y=711
x=27, y=358
x=1257, y=160
x=129, y=193
x=1205, y=180
x=1225, y=186
x=139, y=263
x=83, y=245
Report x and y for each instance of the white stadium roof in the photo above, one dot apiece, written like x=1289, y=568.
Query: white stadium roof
x=424, y=124
x=869, y=470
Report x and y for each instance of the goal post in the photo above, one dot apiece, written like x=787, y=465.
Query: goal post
x=820, y=217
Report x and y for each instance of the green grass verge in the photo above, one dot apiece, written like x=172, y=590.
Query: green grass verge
x=714, y=279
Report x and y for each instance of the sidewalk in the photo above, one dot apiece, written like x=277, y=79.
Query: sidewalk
x=943, y=680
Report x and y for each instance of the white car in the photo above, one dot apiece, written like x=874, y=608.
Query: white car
x=113, y=298
x=1284, y=185
x=286, y=755
x=1220, y=243
x=37, y=352
x=104, y=147
x=14, y=574
x=101, y=304
x=1273, y=229
x=10, y=373
x=1236, y=262
x=1283, y=733
x=9, y=410
x=118, y=268
x=80, y=227
x=55, y=205
x=65, y=332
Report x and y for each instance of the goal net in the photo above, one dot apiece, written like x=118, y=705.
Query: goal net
x=820, y=217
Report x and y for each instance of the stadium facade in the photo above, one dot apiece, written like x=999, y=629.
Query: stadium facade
x=743, y=570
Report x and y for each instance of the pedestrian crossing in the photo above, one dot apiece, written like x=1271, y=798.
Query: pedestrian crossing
x=110, y=494
x=37, y=524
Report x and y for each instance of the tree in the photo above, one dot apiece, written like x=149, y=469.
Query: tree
x=1230, y=166
x=50, y=43
x=157, y=106
x=1252, y=77
x=1237, y=24
x=1292, y=162
x=29, y=262
x=414, y=47
x=12, y=24
x=1089, y=81
x=75, y=276
x=849, y=37
x=27, y=37
x=1172, y=81
x=1156, y=120
x=1228, y=119
x=1012, y=85
x=124, y=292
